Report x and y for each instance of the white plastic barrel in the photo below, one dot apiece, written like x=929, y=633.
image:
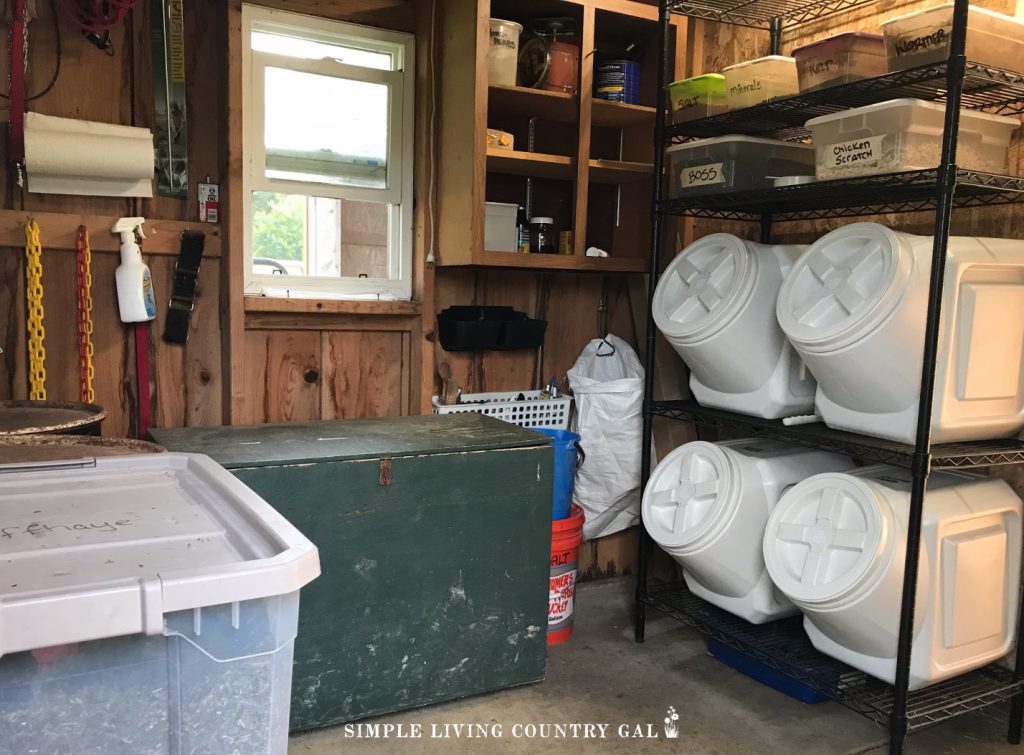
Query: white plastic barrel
x=854, y=305
x=707, y=504
x=715, y=304
x=836, y=546
x=503, y=52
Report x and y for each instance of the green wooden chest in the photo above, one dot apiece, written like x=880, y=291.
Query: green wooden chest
x=434, y=536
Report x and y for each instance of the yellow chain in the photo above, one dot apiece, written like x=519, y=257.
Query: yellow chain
x=85, y=320
x=34, y=295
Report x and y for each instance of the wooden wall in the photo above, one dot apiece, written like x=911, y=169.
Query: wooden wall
x=186, y=380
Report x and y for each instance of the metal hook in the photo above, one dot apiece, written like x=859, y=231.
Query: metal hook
x=604, y=342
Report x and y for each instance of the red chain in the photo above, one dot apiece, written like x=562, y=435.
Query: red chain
x=85, y=347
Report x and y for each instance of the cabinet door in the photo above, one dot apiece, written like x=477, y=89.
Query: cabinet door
x=434, y=577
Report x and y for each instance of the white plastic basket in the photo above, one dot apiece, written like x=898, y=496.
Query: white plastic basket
x=531, y=411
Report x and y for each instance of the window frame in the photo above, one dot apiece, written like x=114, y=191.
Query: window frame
x=398, y=191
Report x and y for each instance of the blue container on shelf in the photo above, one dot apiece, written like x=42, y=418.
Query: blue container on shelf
x=618, y=81
x=568, y=458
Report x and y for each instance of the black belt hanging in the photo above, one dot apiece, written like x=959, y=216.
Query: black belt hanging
x=183, y=292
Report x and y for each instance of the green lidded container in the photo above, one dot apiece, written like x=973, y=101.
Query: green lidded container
x=697, y=97
x=434, y=535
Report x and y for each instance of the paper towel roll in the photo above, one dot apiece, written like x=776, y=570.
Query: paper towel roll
x=68, y=156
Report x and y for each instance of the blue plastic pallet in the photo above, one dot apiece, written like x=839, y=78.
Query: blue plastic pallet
x=760, y=672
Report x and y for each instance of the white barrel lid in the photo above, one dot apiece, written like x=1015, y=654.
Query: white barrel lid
x=824, y=537
x=843, y=285
x=689, y=496
x=104, y=548
x=704, y=286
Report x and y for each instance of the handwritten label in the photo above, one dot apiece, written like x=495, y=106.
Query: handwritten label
x=701, y=175
x=856, y=152
x=923, y=43
x=38, y=529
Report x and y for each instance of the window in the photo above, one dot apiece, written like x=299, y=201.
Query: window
x=327, y=141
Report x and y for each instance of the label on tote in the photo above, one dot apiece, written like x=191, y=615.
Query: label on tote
x=701, y=175
x=866, y=151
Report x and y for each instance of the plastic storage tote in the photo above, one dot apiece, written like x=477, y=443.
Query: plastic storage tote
x=697, y=97
x=715, y=305
x=839, y=60
x=707, y=505
x=853, y=308
x=755, y=81
x=836, y=546
x=900, y=135
x=149, y=605
x=921, y=38
x=734, y=163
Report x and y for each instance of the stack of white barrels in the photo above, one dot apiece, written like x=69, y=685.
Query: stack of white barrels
x=764, y=529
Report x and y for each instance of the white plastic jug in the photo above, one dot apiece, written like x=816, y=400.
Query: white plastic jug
x=707, y=504
x=715, y=305
x=836, y=546
x=503, y=52
x=854, y=308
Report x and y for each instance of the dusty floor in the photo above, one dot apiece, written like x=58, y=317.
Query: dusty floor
x=602, y=677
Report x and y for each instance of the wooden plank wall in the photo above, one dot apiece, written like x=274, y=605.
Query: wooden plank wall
x=568, y=301
x=117, y=88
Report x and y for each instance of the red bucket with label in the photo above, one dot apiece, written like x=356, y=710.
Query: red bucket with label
x=566, y=536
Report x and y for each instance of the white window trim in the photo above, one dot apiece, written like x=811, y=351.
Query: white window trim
x=399, y=191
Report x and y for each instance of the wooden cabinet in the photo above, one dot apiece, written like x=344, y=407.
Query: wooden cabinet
x=433, y=581
x=584, y=162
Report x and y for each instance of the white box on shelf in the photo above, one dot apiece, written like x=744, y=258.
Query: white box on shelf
x=905, y=134
x=500, y=234
x=923, y=37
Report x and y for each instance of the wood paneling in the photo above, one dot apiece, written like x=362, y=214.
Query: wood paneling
x=366, y=374
x=186, y=379
x=276, y=384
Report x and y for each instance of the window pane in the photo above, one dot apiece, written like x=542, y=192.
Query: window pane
x=325, y=129
x=297, y=235
x=309, y=49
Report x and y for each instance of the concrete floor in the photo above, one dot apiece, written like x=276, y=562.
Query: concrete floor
x=602, y=676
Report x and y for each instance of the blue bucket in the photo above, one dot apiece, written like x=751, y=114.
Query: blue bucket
x=568, y=458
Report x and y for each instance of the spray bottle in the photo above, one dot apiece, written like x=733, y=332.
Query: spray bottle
x=135, y=298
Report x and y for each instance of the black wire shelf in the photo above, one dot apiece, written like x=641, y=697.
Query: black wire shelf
x=783, y=646
x=760, y=13
x=909, y=191
x=985, y=453
x=993, y=90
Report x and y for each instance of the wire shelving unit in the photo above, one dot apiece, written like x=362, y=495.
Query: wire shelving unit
x=782, y=645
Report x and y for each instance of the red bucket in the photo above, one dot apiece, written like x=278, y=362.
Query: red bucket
x=566, y=536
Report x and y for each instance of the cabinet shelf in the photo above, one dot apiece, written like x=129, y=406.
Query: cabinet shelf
x=535, y=164
x=619, y=172
x=608, y=114
x=783, y=646
x=986, y=88
x=983, y=453
x=554, y=106
x=911, y=191
x=563, y=262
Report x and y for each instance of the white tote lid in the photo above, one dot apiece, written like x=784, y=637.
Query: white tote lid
x=824, y=538
x=704, y=287
x=690, y=496
x=844, y=285
x=105, y=547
